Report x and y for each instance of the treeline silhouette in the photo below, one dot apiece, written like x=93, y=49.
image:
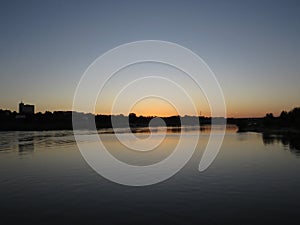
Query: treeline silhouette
x=62, y=120
x=286, y=119
x=285, y=122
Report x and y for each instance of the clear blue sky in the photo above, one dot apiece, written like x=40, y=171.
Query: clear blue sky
x=253, y=47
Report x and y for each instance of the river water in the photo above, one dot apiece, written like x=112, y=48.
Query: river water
x=45, y=180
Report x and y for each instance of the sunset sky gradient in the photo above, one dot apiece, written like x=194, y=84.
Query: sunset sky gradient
x=253, y=47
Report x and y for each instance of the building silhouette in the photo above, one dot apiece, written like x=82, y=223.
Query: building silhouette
x=26, y=109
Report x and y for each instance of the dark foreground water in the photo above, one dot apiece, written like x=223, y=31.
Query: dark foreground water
x=45, y=180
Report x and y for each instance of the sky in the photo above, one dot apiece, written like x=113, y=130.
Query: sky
x=253, y=48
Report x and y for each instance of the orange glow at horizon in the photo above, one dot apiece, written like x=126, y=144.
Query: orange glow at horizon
x=235, y=109
x=154, y=107
x=159, y=107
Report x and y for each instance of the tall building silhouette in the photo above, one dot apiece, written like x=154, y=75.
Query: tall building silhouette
x=26, y=109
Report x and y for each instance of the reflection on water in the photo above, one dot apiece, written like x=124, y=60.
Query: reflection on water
x=25, y=141
x=246, y=184
x=292, y=141
x=26, y=145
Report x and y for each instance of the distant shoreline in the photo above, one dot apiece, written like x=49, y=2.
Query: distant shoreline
x=62, y=120
x=286, y=123
x=270, y=131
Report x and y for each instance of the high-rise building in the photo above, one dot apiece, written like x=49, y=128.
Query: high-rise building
x=26, y=109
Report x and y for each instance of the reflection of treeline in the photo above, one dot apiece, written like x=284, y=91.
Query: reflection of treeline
x=291, y=140
x=62, y=120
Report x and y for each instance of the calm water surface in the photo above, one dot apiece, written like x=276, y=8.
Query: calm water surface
x=44, y=180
